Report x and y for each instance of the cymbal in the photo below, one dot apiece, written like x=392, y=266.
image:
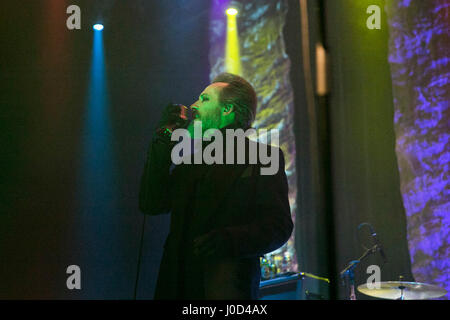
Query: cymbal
x=400, y=290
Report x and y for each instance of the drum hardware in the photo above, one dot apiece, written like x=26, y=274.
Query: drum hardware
x=402, y=290
x=348, y=274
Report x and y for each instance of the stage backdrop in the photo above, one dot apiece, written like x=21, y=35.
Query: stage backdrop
x=419, y=47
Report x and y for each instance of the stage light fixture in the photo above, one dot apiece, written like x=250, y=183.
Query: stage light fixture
x=231, y=11
x=98, y=27
x=233, y=8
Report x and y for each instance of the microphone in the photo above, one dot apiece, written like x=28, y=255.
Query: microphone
x=377, y=243
x=174, y=116
x=178, y=116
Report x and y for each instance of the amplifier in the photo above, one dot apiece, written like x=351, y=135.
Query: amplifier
x=292, y=286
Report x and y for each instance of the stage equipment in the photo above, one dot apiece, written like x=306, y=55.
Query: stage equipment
x=98, y=27
x=233, y=8
x=348, y=274
x=231, y=11
x=292, y=286
x=400, y=290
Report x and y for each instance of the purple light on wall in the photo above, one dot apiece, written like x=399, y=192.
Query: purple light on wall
x=419, y=58
x=217, y=32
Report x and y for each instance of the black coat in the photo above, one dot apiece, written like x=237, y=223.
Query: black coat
x=250, y=210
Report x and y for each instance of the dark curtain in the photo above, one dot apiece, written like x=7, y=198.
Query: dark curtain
x=314, y=219
x=365, y=175
x=347, y=165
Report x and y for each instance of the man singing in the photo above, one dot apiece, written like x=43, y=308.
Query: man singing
x=224, y=216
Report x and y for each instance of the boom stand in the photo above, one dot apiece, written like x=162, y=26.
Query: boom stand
x=348, y=274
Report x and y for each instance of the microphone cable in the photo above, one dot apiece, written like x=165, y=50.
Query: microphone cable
x=139, y=258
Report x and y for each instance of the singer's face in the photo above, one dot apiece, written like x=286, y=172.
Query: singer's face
x=207, y=108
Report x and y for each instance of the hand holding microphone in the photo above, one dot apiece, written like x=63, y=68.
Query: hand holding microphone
x=174, y=116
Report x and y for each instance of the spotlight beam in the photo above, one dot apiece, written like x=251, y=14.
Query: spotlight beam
x=232, y=50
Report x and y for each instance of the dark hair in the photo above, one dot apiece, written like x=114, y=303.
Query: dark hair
x=240, y=93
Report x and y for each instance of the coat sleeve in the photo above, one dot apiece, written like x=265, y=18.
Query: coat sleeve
x=154, y=192
x=272, y=225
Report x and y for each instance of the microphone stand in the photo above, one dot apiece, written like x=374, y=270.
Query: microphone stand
x=348, y=274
